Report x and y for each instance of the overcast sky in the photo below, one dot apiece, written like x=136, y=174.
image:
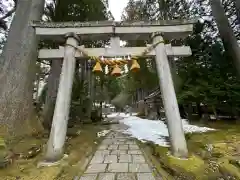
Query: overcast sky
x=116, y=7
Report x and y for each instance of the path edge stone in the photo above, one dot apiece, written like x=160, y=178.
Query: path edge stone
x=155, y=172
x=83, y=165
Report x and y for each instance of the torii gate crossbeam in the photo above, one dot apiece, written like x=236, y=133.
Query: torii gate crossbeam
x=175, y=51
x=102, y=30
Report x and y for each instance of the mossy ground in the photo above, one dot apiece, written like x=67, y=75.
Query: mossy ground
x=216, y=154
x=78, y=147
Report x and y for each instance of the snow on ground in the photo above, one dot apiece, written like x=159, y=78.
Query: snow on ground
x=155, y=131
x=123, y=115
x=103, y=133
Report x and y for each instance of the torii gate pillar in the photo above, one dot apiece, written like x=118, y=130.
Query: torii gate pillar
x=61, y=112
x=176, y=133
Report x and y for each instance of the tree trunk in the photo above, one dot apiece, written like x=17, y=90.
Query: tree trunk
x=226, y=32
x=52, y=89
x=88, y=101
x=205, y=116
x=89, y=92
x=82, y=71
x=190, y=112
x=215, y=112
x=101, y=110
x=93, y=90
x=17, y=73
x=182, y=111
x=37, y=80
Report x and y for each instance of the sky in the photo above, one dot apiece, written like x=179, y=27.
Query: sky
x=116, y=7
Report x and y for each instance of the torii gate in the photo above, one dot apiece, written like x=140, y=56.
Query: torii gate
x=74, y=32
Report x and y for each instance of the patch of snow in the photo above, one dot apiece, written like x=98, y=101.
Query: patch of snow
x=155, y=131
x=123, y=115
x=103, y=133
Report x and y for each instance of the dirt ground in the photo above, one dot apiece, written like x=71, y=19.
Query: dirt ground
x=81, y=143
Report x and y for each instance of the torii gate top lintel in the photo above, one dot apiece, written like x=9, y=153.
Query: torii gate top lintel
x=103, y=30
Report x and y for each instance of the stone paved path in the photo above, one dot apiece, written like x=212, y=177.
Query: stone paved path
x=118, y=158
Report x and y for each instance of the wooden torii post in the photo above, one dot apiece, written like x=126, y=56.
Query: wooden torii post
x=74, y=31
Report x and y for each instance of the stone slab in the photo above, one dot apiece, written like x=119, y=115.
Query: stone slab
x=145, y=176
x=118, y=152
x=133, y=147
x=110, y=159
x=111, y=134
x=96, y=168
x=125, y=158
x=106, y=176
x=134, y=152
x=103, y=147
x=97, y=159
x=123, y=147
x=131, y=142
x=118, y=167
x=126, y=176
x=138, y=159
x=107, y=141
x=139, y=168
x=102, y=152
x=121, y=137
x=113, y=147
x=88, y=177
x=119, y=142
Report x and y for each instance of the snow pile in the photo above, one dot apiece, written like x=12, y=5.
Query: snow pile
x=103, y=133
x=155, y=131
x=192, y=128
x=123, y=115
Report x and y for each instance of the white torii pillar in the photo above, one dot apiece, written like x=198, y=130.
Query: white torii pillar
x=174, y=122
x=55, y=147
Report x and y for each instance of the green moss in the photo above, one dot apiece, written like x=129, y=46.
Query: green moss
x=2, y=142
x=148, y=147
x=203, y=164
x=159, y=151
x=192, y=167
x=78, y=149
x=3, y=150
x=224, y=141
x=235, y=162
x=223, y=149
x=228, y=169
